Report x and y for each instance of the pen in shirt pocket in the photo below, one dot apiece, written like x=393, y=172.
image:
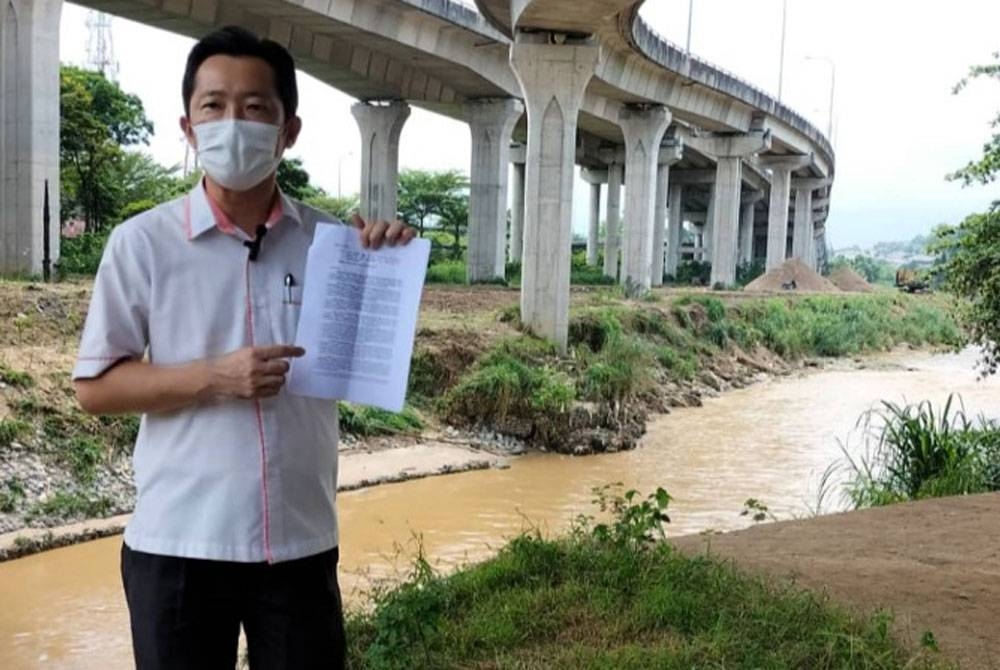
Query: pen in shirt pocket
x=289, y=285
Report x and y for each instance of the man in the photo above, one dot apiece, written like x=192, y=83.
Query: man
x=194, y=310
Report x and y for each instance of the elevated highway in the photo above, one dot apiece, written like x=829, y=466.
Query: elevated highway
x=569, y=82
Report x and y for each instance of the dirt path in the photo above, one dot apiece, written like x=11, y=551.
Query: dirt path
x=934, y=563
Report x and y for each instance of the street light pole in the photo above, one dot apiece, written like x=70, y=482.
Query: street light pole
x=690, y=16
x=833, y=90
x=781, y=64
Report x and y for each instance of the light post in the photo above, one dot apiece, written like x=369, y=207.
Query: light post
x=781, y=64
x=340, y=162
x=690, y=16
x=833, y=89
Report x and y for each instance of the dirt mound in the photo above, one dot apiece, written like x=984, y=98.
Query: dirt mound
x=793, y=274
x=846, y=279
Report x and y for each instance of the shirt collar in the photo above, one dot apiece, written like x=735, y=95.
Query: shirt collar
x=202, y=214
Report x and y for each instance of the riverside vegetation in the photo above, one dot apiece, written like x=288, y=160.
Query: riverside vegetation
x=473, y=370
x=611, y=595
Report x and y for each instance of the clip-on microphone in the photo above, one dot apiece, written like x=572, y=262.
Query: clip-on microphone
x=254, y=244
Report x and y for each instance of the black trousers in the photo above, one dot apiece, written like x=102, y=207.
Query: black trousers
x=186, y=613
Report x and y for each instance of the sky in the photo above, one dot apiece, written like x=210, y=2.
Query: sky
x=898, y=128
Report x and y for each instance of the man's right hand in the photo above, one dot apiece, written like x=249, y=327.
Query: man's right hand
x=252, y=372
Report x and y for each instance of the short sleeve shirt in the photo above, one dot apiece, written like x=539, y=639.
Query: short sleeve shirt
x=228, y=479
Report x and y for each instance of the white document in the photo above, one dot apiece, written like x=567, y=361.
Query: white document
x=358, y=318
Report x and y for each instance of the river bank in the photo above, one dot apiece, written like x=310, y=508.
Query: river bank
x=771, y=441
x=481, y=390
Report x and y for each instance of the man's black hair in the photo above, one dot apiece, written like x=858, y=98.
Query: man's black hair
x=236, y=41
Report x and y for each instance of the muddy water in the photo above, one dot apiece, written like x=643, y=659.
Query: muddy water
x=773, y=441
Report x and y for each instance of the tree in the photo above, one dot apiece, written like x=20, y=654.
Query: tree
x=425, y=197
x=984, y=170
x=294, y=180
x=455, y=218
x=969, y=254
x=341, y=208
x=97, y=119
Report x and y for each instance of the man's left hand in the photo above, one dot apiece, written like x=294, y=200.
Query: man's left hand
x=374, y=234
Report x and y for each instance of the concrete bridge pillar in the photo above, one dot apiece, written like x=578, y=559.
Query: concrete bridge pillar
x=804, y=229
x=802, y=233
x=595, y=178
x=729, y=152
x=706, y=227
x=643, y=128
x=612, y=222
x=675, y=209
x=518, y=154
x=746, y=225
x=491, y=122
x=380, y=125
x=777, y=215
x=29, y=131
x=669, y=154
x=553, y=77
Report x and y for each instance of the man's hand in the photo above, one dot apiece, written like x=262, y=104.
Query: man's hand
x=374, y=233
x=252, y=372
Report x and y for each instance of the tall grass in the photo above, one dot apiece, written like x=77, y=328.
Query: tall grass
x=610, y=595
x=915, y=451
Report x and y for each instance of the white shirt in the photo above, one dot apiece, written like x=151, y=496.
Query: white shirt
x=230, y=479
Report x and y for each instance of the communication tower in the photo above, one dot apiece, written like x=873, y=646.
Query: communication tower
x=100, y=45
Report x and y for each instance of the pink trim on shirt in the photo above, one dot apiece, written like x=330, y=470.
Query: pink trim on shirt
x=226, y=225
x=260, y=433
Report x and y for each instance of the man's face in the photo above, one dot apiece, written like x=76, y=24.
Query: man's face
x=238, y=87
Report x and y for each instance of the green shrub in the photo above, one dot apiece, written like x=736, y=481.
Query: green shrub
x=82, y=454
x=369, y=421
x=914, y=451
x=619, y=371
x=447, y=272
x=513, y=378
x=81, y=255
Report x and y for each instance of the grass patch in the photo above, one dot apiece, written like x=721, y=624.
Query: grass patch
x=11, y=494
x=446, y=272
x=70, y=503
x=514, y=377
x=365, y=421
x=12, y=429
x=609, y=596
x=15, y=378
x=916, y=451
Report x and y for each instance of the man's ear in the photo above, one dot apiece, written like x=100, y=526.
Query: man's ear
x=292, y=130
x=186, y=126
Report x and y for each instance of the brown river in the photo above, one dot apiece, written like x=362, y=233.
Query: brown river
x=773, y=441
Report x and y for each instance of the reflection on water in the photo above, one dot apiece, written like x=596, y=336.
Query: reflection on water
x=773, y=441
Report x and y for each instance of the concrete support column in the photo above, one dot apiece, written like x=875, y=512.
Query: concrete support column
x=802, y=233
x=725, y=223
x=643, y=128
x=595, y=178
x=675, y=208
x=552, y=78
x=668, y=156
x=612, y=222
x=518, y=155
x=777, y=214
x=491, y=122
x=380, y=126
x=707, y=226
x=29, y=131
x=747, y=224
x=777, y=217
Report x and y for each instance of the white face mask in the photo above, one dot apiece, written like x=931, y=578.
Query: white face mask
x=237, y=154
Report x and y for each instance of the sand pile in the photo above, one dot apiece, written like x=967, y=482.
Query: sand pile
x=793, y=274
x=846, y=279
